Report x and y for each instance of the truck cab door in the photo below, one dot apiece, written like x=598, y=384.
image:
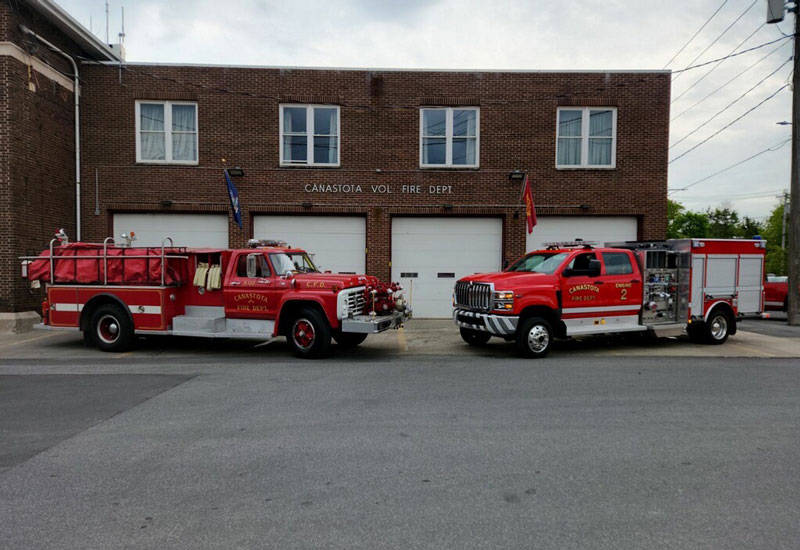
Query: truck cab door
x=622, y=282
x=579, y=290
x=249, y=290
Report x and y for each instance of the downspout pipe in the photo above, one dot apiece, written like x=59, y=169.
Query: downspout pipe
x=77, y=95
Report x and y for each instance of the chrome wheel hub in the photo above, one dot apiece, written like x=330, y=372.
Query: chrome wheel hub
x=719, y=327
x=538, y=338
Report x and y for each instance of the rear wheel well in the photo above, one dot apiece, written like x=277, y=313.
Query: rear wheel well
x=97, y=301
x=290, y=310
x=559, y=329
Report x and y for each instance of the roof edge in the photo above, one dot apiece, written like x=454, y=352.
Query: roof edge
x=56, y=15
x=386, y=69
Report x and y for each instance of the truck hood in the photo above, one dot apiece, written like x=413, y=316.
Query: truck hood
x=511, y=280
x=328, y=280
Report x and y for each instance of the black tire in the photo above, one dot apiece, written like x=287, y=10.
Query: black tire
x=785, y=305
x=534, y=337
x=110, y=329
x=475, y=337
x=349, y=340
x=309, y=334
x=696, y=332
x=717, y=327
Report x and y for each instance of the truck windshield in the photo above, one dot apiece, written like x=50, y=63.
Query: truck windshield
x=539, y=262
x=292, y=262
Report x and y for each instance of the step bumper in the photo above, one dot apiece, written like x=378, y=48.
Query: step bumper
x=367, y=324
x=498, y=325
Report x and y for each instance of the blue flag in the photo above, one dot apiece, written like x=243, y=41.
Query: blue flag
x=234, y=195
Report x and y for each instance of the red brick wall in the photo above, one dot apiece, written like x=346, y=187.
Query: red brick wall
x=379, y=131
x=37, y=147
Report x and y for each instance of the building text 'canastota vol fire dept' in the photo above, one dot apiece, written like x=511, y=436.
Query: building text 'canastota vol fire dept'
x=411, y=176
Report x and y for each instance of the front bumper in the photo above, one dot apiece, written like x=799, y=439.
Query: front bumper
x=498, y=325
x=367, y=324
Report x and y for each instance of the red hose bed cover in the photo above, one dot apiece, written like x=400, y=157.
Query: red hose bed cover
x=82, y=263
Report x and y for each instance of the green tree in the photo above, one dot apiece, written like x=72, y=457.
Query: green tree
x=674, y=211
x=749, y=228
x=693, y=225
x=723, y=223
x=777, y=257
x=682, y=223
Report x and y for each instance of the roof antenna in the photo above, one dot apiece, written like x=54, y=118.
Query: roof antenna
x=107, y=42
x=122, y=34
x=121, y=44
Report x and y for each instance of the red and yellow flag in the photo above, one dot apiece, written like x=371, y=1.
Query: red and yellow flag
x=530, y=209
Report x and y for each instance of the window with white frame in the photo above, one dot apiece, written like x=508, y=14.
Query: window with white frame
x=166, y=132
x=586, y=137
x=449, y=136
x=309, y=135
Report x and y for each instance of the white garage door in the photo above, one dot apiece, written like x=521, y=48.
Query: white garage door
x=198, y=230
x=338, y=243
x=598, y=229
x=430, y=254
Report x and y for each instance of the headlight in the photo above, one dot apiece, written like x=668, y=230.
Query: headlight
x=503, y=300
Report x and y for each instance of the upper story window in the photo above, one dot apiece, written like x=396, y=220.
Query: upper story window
x=586, y=137
x=309, y=135
x=166, y=132
x=449, y=137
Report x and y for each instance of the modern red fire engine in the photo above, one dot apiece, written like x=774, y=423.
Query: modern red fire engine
x=700, y=286
x=113, y=292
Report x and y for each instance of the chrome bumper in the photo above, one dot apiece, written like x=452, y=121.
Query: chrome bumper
x=367, y=324
x=499, y=325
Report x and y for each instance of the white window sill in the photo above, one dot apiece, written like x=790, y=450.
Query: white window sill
x=586, y=167
x=298, y=165
x=449, y=167
x=166, y=163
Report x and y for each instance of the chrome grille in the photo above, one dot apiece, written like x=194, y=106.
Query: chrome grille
x=474, y=295
x=356, y=301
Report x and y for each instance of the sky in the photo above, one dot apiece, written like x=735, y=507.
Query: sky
x=534, y=35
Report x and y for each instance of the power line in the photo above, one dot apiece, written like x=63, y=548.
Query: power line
x=744, y=196
x=721, y=35
x=737, y=54
x=728, y=82
x=695, y=34
x=731, y=123
x=714, y=68
x=731, y=104
x=767, y=150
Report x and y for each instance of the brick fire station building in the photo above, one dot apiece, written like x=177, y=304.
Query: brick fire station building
x=410, y=175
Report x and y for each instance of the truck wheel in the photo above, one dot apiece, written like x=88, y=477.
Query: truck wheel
x=349, y=339
x=309, y=334
x=110, y=329
x=475, y=337
x=534, y=337
x=717, y=327
x=696, y=332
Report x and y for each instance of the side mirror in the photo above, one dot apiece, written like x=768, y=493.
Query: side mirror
x=505, y=264
x=594, y=268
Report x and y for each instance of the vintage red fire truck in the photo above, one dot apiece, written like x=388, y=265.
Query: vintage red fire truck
x=113, y=293
x=699, y=286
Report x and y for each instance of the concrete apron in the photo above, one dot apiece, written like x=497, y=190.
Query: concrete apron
x=16, y=323
x=418, y=337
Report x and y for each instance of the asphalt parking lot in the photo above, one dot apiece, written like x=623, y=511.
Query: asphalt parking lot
x=414, y=441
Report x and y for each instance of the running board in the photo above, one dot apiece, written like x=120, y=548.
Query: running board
x=603, y=329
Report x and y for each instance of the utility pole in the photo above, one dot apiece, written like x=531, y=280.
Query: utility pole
x=775, y=10
x=793, y=312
